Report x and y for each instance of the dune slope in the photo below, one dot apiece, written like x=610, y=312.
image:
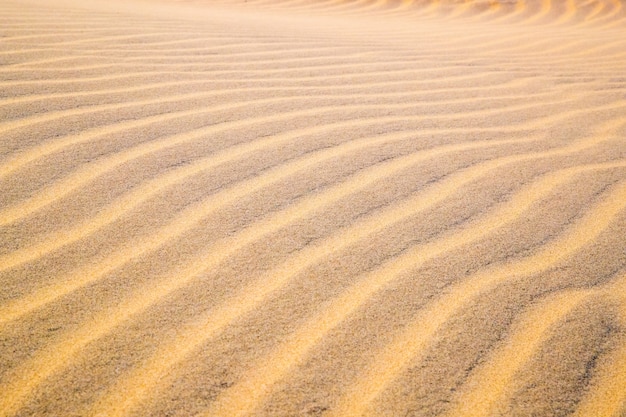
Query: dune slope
x=303, y=207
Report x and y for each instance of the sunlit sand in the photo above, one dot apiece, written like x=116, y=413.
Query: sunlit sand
x=315, y=208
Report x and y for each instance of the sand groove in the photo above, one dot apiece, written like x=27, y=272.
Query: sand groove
x=414, y=339
x=93, y=170
x=495, y=378
x=205, y=206
x=192, y=216
x=242, y=399
x=253, y=297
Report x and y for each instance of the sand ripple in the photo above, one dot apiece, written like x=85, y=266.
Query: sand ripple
x=298, y=207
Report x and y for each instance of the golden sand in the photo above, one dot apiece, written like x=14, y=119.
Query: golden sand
x=301, y=207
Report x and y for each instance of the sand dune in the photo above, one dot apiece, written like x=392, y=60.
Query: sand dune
x=299, y=207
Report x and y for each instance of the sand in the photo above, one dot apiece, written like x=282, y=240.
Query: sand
x=312, y=208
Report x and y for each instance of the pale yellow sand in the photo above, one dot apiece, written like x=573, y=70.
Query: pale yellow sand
x=302, y=207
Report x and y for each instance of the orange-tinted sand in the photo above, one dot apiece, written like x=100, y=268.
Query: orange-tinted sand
x=313, y=208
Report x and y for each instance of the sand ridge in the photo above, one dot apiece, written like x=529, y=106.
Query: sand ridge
x=297, y=207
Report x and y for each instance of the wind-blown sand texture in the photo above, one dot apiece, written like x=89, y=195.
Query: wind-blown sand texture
x=313, y=207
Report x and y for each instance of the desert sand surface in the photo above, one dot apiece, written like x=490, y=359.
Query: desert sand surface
x=313, y=208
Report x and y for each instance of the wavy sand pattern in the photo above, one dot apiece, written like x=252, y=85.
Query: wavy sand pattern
x=313, y=207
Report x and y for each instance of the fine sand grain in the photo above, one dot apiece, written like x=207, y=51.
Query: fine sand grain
x=313, y=208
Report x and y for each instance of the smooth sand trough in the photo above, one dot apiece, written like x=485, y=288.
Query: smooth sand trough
x=313, y=208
